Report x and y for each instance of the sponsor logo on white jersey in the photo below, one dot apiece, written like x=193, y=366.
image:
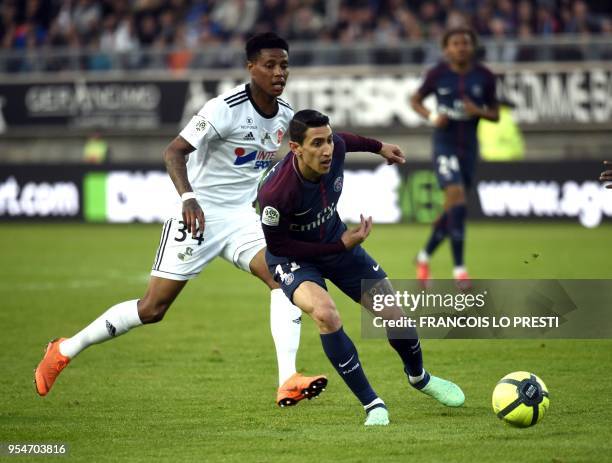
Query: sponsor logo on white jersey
x=262, y=159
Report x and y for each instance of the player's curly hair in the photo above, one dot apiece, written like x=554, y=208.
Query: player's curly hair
x=459, y=30
x=302, y=121
x=264, y=40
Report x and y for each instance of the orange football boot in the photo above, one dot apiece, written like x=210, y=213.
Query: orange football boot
x=49, y=367
x=422, y=274
x=299, y=387
x=462, y=281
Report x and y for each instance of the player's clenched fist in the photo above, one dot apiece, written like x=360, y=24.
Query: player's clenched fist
x=193, y=217
x=392, y=153
x=357, y=235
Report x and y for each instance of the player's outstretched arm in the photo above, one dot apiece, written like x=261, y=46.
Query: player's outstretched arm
x=392, y=153
x=606, y=175
x=355, y=236
x=175, y=160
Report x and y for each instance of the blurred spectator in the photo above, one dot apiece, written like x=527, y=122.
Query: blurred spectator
x=505, y=12
x=526, y=19
x=96, y=149
x=147, y=29
x=167, y=28
x=525, y=51
x=236, y=16
x=546, y=21
x=581, y=21
x=456, y=18
x=483, y=18
x=86, y=18
x=97, y=59
x=202, y=31
x=500, y=49
x=180, y=57
x=270, y=12
x=306, y=24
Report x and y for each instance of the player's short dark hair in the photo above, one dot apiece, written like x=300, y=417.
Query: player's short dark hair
x=264, y=40
x=459, y=30
x=304, y=120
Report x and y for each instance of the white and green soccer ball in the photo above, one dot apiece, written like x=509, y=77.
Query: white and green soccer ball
x=521, y=399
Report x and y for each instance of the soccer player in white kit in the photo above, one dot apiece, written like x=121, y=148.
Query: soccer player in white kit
x=215, y=164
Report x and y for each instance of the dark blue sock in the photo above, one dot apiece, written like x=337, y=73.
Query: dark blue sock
x=406, y=342
x=438, y=233
x=342, y=354
x=456, y=231
x=421, y=384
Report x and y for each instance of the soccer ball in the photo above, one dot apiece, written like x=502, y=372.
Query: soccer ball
x=521, y=399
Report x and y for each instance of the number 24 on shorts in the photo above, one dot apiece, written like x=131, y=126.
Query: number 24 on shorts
x=447, y=165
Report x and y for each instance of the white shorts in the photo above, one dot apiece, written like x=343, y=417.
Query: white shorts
x=237, y=237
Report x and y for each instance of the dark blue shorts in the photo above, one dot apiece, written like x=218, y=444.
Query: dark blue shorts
x=345, y=270
x=452, y=169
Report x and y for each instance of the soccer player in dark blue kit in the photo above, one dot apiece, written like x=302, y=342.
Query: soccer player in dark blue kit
x=308, y=243
x=465, y=92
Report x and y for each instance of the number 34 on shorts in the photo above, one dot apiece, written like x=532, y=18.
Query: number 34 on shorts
x=179, y=255
x=182, y=234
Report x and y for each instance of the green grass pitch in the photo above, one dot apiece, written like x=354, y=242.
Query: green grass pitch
x=200, y=386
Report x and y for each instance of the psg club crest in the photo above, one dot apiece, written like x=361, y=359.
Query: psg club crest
x=289, y=278
x=279, y=136
x=338, y=184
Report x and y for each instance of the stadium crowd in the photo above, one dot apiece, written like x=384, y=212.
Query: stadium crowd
x=120, y=26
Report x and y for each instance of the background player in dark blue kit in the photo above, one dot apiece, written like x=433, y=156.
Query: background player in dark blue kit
x=308, y=243
x=465, y=92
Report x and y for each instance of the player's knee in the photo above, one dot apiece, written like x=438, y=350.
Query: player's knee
x=455, y=196
x=260, y=270
x=327, y=317
x=152, y=311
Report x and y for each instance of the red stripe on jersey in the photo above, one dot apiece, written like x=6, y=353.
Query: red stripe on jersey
x=324, y=204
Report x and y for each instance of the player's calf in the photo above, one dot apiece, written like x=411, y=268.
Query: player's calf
x=152, y=311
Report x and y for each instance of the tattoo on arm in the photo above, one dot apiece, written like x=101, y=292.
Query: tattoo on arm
x=176, y=164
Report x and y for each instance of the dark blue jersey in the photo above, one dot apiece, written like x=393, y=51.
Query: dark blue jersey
x=299, y=217
x=478, y=84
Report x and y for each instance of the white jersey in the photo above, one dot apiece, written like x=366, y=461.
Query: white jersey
x=235, y=143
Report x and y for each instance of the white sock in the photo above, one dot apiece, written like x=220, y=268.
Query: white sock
x=373, y=404
x=416, y=379
x=422, y=257
x=114, y=322
x=285, y=324
x=458, y=271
